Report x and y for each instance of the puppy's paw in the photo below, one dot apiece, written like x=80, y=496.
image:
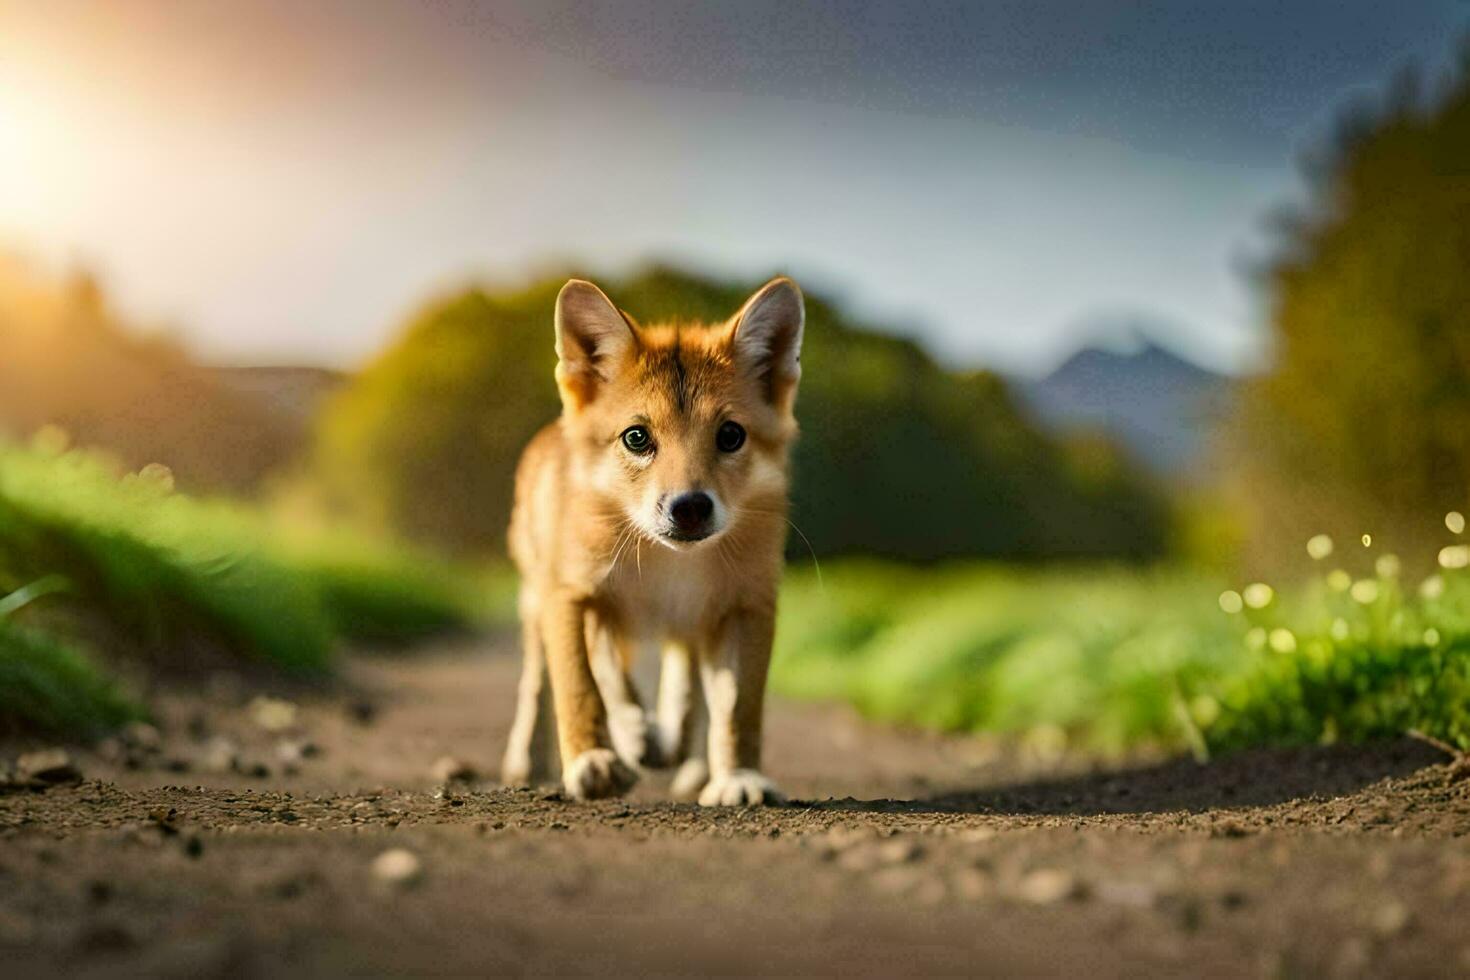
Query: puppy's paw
x=656, y=755
x=689, y=779
x=740, y=787
x=634, y=738
x=597, y=774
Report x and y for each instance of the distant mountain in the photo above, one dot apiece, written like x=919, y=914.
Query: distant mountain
x=1160, y=407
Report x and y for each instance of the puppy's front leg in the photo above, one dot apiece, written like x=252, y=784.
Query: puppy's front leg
x=683, y=721
x=590, y=768
x=529, y=751
x=734, y=676
x=626, y=721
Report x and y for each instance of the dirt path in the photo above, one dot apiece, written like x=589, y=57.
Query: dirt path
x=225, y=850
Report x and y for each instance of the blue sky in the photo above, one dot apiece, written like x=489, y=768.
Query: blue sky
x=1005, y=180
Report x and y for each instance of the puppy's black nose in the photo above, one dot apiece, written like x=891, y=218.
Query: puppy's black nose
x=691, y=512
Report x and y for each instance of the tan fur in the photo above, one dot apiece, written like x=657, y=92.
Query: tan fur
x=601, y=577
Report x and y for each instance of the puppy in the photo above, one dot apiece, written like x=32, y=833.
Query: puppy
x=652, y=514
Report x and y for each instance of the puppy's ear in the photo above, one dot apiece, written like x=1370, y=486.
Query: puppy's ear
x=592, y=339
x=767, y=340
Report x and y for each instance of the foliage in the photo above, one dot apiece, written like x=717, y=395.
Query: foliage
x=167, y=570
x=1355, y=660
x=1110, y=659
x=377, y=593
x=49, y=687
x=1366, y=413
x=897, y=458
x=1089, y=656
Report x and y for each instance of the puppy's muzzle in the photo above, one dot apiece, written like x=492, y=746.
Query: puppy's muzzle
x=690, y=516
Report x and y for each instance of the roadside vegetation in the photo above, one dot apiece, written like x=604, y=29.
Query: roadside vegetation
x=1113, y=660
x=166, y=579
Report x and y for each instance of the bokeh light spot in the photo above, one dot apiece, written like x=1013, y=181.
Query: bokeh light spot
x=1258, y=595
x=1365, y=591
x=1283, y=640
x=1454, y=556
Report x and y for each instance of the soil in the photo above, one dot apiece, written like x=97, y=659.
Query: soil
x=242, y=838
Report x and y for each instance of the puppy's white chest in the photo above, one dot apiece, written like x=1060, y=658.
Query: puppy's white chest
x=668, y=596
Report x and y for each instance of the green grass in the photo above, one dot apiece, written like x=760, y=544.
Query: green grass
x=388, y=594
x=1108, y=660
x=161, y=572
x=161, y=568
x=1376, y=658
x=49, y=687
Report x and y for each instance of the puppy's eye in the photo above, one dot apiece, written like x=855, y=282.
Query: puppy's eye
x=730, y=437
x=637, y=439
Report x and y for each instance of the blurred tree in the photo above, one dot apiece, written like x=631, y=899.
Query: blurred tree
x=897, y=456
x=1364, y=421
x=69, y=361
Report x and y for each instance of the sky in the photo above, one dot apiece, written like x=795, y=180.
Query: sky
x=285, y=182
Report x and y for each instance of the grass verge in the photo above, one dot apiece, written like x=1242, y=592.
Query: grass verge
x=1109, y=660
x=48, y=686
x=164, y=573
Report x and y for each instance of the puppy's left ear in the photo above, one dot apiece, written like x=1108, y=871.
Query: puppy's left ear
x=767, y=339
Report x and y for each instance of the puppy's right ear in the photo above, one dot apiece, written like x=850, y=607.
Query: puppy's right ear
x=592, y=339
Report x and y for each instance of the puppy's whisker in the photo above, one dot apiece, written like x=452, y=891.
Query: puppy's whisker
x=625, y=538
x=625, y=530
x=720, y=550
x=821, y=585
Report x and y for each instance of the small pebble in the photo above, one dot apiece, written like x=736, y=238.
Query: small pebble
x=219, y=754
x=1391, y=918
x=362, y=712
x=1047, y=886
x=273, y=714
x=899, y=851
x=971, y=884
x=448, y=769
x=140, y=735
x=398, y=868
x=293, y=751
x=1132, y=894
x=48, y=766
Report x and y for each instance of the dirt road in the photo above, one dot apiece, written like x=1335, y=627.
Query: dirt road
x=244, y=843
